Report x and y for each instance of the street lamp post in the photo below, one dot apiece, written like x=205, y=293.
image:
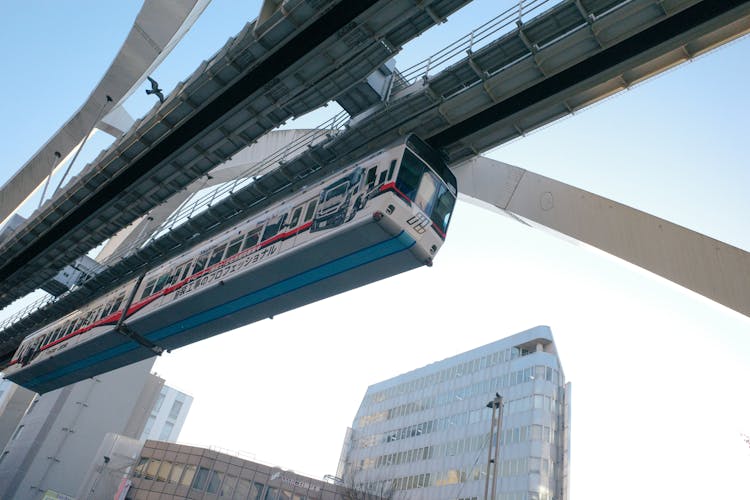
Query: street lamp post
x=493, y=450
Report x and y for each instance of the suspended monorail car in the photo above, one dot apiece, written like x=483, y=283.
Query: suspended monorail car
x=383, y=215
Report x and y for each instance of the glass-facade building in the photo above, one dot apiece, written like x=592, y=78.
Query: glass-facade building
x=168, y=471
x=425, y=434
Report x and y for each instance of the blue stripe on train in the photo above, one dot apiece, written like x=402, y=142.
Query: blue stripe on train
x=343, y=264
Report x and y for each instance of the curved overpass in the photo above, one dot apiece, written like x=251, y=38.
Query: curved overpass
x=156, y=30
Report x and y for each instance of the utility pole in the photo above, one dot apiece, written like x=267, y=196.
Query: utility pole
x=493, y=450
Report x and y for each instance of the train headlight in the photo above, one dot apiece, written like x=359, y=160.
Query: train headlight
x=390, y=209
x=433, y=249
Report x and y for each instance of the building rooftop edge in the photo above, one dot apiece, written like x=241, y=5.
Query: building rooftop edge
x=536, y=332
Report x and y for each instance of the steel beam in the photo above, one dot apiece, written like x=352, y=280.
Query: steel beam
x=156, y=30
x=704, y=265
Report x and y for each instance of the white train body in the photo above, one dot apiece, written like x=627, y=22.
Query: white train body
x=384, y=215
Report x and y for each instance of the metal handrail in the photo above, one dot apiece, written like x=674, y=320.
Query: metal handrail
x=196, y=205
x=470, y=42
x=22, y=313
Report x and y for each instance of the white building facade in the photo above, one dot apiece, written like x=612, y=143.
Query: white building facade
x=59, y=433
x=425, y=434
x=168, y=415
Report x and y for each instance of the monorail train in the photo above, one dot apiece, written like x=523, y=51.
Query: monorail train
x=386, y=214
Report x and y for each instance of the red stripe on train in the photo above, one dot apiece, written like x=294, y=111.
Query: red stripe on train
x=115, y=317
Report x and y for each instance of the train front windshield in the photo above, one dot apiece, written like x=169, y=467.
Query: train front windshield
x=418, y=182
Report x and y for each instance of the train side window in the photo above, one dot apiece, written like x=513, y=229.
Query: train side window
x=371, y=175
x=295, y=216
x=63, y=331
x=52, y=336
x=60, y=332
x=116, y=305
x=73, y=327
x=200, y=264
x=251, y=239
x=161, y=282
x=147, y=290
x=87, y=319
x=234, y=247
x=179, y=273
x=174, y=275
x=310, y=210
x=391, y=169
x=216, y=256
x=185, y=271
x=381, y=180
x=273, y=226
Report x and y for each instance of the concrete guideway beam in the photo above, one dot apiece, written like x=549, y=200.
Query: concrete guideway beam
x=264, y=76
x=156, y=30
x=638, y=40
x=701, y=264
x=498, y=92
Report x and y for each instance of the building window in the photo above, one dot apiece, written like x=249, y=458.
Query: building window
x=214, y=482
x=149, y=426
x=257, y=491
x=175, y=411
x=159, y=402
x=138, y=472
x=166, y=431
x=201, y=478
x=152, y=469
x=163, y=473
x=188, y=475
x=243, y=489
x=174, y=476
x=271, y=493
x=227, y=486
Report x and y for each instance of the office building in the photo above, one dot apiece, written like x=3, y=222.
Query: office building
x=14, y=400
x=168, y=471
x=60, y=432
x=425, y=434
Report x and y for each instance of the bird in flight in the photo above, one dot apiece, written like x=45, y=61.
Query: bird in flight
x=155, y=89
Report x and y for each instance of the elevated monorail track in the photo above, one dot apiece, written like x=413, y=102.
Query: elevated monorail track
x=280, y=68
x=505, y=81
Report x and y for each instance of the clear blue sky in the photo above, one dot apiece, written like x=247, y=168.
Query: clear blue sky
x=660, y=376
